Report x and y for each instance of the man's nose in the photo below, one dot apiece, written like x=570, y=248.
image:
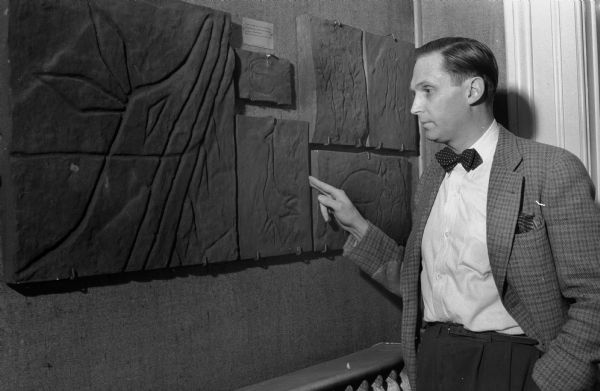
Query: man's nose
x=416, y=106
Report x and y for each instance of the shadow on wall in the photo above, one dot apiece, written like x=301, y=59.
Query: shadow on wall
x=525, y=112
x=81, y=284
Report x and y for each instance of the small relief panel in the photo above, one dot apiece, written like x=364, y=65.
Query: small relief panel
x=331, y=81
x=379, y=187
x=389, y=65
x=122, y=152
x=263, y=77
x=273, y=190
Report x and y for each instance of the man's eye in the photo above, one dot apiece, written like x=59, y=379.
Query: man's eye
x=427, y=90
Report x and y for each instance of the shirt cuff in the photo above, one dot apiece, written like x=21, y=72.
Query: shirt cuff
x=366, y=253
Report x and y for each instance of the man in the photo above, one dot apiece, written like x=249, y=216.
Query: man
x=500, y=276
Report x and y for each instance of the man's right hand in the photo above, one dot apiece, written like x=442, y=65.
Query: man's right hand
x=334, y=201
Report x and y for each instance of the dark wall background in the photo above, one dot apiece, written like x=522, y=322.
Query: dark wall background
x=214, y=328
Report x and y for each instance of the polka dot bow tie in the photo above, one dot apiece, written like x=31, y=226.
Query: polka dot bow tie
x=469, y=159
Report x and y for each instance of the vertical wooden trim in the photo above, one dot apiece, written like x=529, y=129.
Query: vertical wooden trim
x=512, y=55
x=555, y=26
x=418, y=23
x=592, y=11
x=585, y=107
x=7, y=197
x=418, y=20
x=519, y=61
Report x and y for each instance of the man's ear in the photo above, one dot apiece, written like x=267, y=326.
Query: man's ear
x=475, y=90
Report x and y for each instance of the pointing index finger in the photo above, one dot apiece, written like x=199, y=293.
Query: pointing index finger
x=321, y=186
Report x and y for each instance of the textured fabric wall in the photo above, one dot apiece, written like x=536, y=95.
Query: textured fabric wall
x=191, y=331
x=216, y=329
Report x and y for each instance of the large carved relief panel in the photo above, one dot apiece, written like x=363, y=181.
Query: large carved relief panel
x=332, y=82
x=122, y=141
x=122, y=154
x=378, y=185
x=273, y=192
x=264, y=78
x=354, y=86
x=388, y=65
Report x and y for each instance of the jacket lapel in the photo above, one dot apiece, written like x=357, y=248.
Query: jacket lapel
x=503, y=204
x=429, y=185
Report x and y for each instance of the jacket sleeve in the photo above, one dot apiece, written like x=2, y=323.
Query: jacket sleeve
x=573, y=222
x=377, y=255
x=380, y=256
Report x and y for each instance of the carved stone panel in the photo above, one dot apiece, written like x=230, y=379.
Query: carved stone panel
x=389, y=65
x=122, y=146
x=262, y=77
x=273, y=191
x=331, y=81
x=379, y=187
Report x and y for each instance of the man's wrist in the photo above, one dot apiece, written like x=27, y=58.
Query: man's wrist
x=359, y=230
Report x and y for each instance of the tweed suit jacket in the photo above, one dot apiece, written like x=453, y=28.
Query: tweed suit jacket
x=548, y=278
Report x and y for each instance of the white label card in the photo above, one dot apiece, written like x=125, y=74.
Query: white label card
x=257, y=33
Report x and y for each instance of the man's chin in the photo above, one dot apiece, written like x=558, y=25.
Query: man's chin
x=428, y=126
x=430, y=133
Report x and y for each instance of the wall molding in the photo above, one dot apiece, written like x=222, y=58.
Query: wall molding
x=591, y=33
x=552, y=75
x=418, y=21
x=519, y=63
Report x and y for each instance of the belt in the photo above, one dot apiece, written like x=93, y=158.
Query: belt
x=458, y=330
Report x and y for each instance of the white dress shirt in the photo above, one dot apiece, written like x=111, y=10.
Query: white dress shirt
x=456, y=281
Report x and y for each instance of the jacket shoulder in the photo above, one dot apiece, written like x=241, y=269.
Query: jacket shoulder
x=544, y=155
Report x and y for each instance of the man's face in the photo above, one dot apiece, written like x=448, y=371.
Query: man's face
x=440, y=104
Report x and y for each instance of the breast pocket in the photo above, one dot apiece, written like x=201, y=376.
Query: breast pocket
x=531, y=271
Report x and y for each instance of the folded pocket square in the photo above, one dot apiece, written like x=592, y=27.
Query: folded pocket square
x=526, y=223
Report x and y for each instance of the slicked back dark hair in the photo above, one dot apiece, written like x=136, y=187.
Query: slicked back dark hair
x=464, y=58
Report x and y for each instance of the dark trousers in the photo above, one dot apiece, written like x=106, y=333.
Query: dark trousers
x=451, y=358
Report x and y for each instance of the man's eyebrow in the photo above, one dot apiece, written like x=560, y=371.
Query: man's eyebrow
x=420, y=84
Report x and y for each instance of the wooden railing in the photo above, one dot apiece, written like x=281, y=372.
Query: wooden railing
x=366, y=369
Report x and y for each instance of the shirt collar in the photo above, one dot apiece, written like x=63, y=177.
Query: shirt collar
x=486, y=144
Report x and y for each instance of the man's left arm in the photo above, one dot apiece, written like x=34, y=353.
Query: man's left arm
x=573, y=224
